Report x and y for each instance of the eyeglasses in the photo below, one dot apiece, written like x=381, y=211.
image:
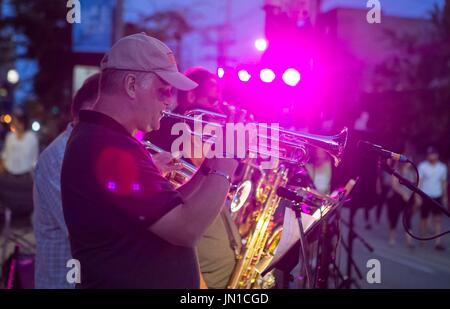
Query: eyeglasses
x=166, y=92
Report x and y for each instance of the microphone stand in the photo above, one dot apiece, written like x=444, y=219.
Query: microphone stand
x=357, y=236
x=414, y=188
x=303, y=250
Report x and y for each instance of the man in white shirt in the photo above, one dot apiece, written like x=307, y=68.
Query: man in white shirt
x=433, y=181
x=18, y=158
x=21, y=148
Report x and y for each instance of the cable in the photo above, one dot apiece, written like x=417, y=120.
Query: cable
x=408, y=231
x=416, y=170
x=407, y=208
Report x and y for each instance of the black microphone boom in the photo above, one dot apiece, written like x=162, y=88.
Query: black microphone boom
x=289, y=195
x=380, y=151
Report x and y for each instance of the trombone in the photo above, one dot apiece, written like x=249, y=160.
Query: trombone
x=333, y=145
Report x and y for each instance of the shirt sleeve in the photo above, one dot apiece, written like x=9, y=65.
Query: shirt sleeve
x=47, y=196
x=33, y=149
x=136, y=187
x=421, y=170
x=6, y=146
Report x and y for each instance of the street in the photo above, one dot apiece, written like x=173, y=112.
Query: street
x=421, y=267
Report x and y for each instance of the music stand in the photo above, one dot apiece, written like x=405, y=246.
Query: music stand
x=303, y=252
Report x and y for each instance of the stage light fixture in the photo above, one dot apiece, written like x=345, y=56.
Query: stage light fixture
x=267, y=75
x=244, y=76
x=261, y=44
x=291, y=77
x=220, y=72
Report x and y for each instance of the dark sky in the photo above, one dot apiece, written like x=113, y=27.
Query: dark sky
x=248, y=25
x=410, y=8
x=248, y=21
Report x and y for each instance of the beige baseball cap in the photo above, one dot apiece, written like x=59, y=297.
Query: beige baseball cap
x=141, y=52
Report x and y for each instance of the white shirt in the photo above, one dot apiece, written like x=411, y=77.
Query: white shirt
x=321, y=176
x=431, y=178
x=20, y=155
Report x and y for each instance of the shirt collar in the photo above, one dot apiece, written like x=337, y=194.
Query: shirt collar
x=94, y=117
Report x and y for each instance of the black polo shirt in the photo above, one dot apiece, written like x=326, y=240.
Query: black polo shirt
x=111, y=193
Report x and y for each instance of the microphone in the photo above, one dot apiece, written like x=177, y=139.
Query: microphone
x=308, y=205
x=289, y=195
x=380, y=151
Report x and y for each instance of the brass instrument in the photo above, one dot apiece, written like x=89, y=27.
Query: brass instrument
x=333, y=145
x=261, y=234
x=178, y=177
x=292, y=141
x=257, y=252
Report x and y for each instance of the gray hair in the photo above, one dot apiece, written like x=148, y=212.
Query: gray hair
x=111, y=80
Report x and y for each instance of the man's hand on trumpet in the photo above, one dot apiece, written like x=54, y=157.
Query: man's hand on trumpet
x=166, y=163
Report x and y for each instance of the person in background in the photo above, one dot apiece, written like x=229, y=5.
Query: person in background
x=52, y=238
x=383, y=187
x=321, y=171
x=399, y=199
x=19, y=155
x=448, y=182
x=433, y=181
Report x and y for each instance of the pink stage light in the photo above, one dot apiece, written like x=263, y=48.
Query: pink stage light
x=244, y=76
x=261, y=44
x=291, y=77
x=267, y=75
x=220, y=72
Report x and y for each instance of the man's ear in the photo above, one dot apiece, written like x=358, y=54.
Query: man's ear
x=191, y=97
x=130, y=85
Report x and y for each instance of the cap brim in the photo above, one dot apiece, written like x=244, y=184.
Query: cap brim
x=178, y=80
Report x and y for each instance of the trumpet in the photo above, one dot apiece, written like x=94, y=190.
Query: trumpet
x=185, y=173
x=294, y=143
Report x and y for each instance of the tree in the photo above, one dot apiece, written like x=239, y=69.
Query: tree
x=44, y=35
x=419, y=80
x=168, y=26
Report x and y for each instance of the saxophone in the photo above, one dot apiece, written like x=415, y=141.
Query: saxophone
x=255, y=256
